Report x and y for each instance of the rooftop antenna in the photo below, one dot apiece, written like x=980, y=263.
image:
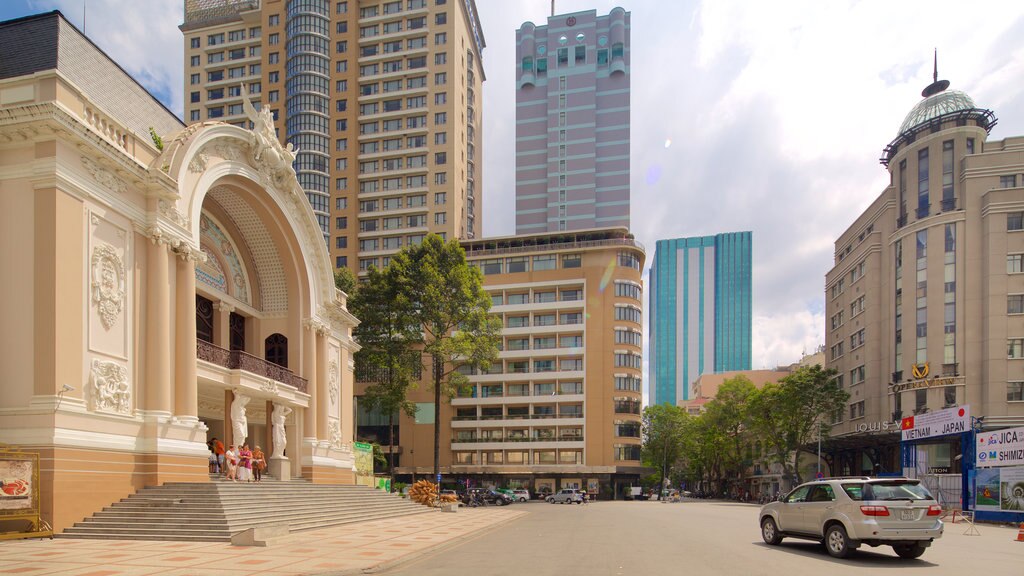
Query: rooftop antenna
x=552, y=8
x=937, y=85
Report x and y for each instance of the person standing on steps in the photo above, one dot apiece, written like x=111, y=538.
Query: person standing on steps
x=259, y=463
x=218, y=449
x=231, y=459
x=245, y=463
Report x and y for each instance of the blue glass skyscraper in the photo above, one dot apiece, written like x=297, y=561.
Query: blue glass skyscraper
x=700, y=307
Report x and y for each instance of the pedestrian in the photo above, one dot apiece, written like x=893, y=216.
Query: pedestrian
x=259, y=463
x=218, y=449
x=231, y=460
x=245, y=463
x=213, y=468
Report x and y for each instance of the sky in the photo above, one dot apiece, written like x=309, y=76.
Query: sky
x=745, y=115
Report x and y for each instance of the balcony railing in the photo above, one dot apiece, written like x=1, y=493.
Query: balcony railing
x=238, y=360
x=516, y=417
x=484, y=440
x=949, y=205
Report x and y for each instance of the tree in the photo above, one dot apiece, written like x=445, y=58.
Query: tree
x=664, y=429
x=345, y=280
x=447, y=302
x=789, y=415
x=729, y=424
x=387, y=356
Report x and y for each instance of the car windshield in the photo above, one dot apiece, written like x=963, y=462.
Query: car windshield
x=894, y=490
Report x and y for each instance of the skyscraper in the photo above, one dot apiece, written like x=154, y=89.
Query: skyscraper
x=382, y=100
x=572, y=123
x=700, y=311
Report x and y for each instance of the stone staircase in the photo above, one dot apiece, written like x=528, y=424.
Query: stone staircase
x=212, y=512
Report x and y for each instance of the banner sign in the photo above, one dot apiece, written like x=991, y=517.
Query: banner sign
x=1001, y=448
x=938, y=423
x=999, y=489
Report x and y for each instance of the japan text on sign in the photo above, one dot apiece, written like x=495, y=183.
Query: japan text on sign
x=938, y=423
x=1001, y=448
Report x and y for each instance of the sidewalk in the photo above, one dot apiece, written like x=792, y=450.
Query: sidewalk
x=349, y=549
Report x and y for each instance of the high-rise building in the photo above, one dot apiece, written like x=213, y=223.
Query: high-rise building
x=560, y=408
x=381, y=100
x=572, y=123
x=925, y=299
x=700, y=311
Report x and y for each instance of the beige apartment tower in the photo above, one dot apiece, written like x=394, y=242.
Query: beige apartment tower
x=925, y=301
x=561, y=407
x=380, y=99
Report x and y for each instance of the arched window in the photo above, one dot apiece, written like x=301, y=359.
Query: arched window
x=204, y=319
x=276, y=346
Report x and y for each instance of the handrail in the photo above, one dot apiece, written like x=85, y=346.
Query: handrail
x=239, y=360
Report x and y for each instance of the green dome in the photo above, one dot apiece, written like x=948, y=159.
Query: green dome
x=936, y=105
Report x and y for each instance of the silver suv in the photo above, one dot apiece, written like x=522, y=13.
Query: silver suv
x=566, y=496
x=844, y=513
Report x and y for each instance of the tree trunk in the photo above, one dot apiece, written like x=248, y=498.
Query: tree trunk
x=391, y=452
x=437, y=415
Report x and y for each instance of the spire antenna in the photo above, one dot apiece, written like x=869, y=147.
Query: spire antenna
x=937, y=85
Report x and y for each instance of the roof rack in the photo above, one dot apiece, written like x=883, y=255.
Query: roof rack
x=845, y=478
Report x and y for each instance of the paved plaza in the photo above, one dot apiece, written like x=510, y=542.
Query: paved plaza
x=534, y=539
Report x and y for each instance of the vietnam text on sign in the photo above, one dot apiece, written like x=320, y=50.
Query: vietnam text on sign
x=938, y=423
x=1001, y=447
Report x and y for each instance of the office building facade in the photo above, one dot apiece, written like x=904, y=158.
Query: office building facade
x=572, y=123
x=561, y=406
x=924, y=300
x=381, y=102
x=700, y=311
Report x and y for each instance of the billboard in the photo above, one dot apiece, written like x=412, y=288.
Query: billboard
x=939, y=423
x=1001, y=448
x=999, y=489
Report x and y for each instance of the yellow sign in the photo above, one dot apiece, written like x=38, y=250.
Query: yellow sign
x=920, y=370
x=933, y=383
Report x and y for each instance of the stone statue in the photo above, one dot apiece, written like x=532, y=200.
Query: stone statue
x=239, y=423
x=272, y=159
x=277, y=419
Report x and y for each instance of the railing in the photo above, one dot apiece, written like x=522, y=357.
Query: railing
x=239, y=360
x=485, y=440
x=949, y=205
x=515, y=417
x=627, y=242
x=923, y=211
x=901, y=221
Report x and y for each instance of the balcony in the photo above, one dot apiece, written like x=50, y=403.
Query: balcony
x=949, y=205
x=923, y=211
x=897, y=376
x=951, y=369
x=239, y=360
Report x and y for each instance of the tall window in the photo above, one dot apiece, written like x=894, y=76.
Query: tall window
x=276, y=350
x=898, y=352
x=922, y=183
x=948, y=200
x=903, y=188
x=922, y=296
x=204, y=319
x=949, y=295
x=236, y=323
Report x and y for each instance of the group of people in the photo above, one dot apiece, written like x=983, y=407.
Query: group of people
x=238, y=464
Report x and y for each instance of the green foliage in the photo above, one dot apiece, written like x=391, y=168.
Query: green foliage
x=664, y=430
x=789, y=415
x=157, y=140
x=431, y=302
x=345, y=280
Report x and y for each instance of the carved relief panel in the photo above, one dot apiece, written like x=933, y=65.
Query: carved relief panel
x=108, y=284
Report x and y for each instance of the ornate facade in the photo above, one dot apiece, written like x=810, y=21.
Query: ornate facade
x=154, y=284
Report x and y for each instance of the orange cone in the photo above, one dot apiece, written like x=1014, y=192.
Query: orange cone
x=1020, y=533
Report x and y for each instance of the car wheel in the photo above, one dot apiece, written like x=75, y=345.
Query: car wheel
x=770, y=532
x=837, y=543
x=551, y=500
x=909, y=551
x=522, y=499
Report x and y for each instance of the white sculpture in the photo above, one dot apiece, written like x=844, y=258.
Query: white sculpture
x=239, y=423
x=272, y=159
x=277, y=419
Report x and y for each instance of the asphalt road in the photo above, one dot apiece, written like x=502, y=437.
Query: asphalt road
x=691, y=538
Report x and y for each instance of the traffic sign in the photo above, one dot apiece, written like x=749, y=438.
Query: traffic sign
x=438, y=478
x=819, y=475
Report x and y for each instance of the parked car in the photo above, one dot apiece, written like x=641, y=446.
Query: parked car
x=521, y=494
x=844, y=513
x=458, y=497
x=566, y=496
x=490, y=496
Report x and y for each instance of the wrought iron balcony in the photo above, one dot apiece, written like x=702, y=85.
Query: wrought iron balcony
x=923, y=211
x=901, y=221
x=239, y=360
x=897, y=376
x=949, y=205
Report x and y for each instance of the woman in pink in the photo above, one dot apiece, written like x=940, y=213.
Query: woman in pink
x=245, y=465
x=231, y=459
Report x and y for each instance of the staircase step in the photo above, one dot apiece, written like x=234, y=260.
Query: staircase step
x=212, y=511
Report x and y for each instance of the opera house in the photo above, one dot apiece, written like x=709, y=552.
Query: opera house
x=163, y=285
